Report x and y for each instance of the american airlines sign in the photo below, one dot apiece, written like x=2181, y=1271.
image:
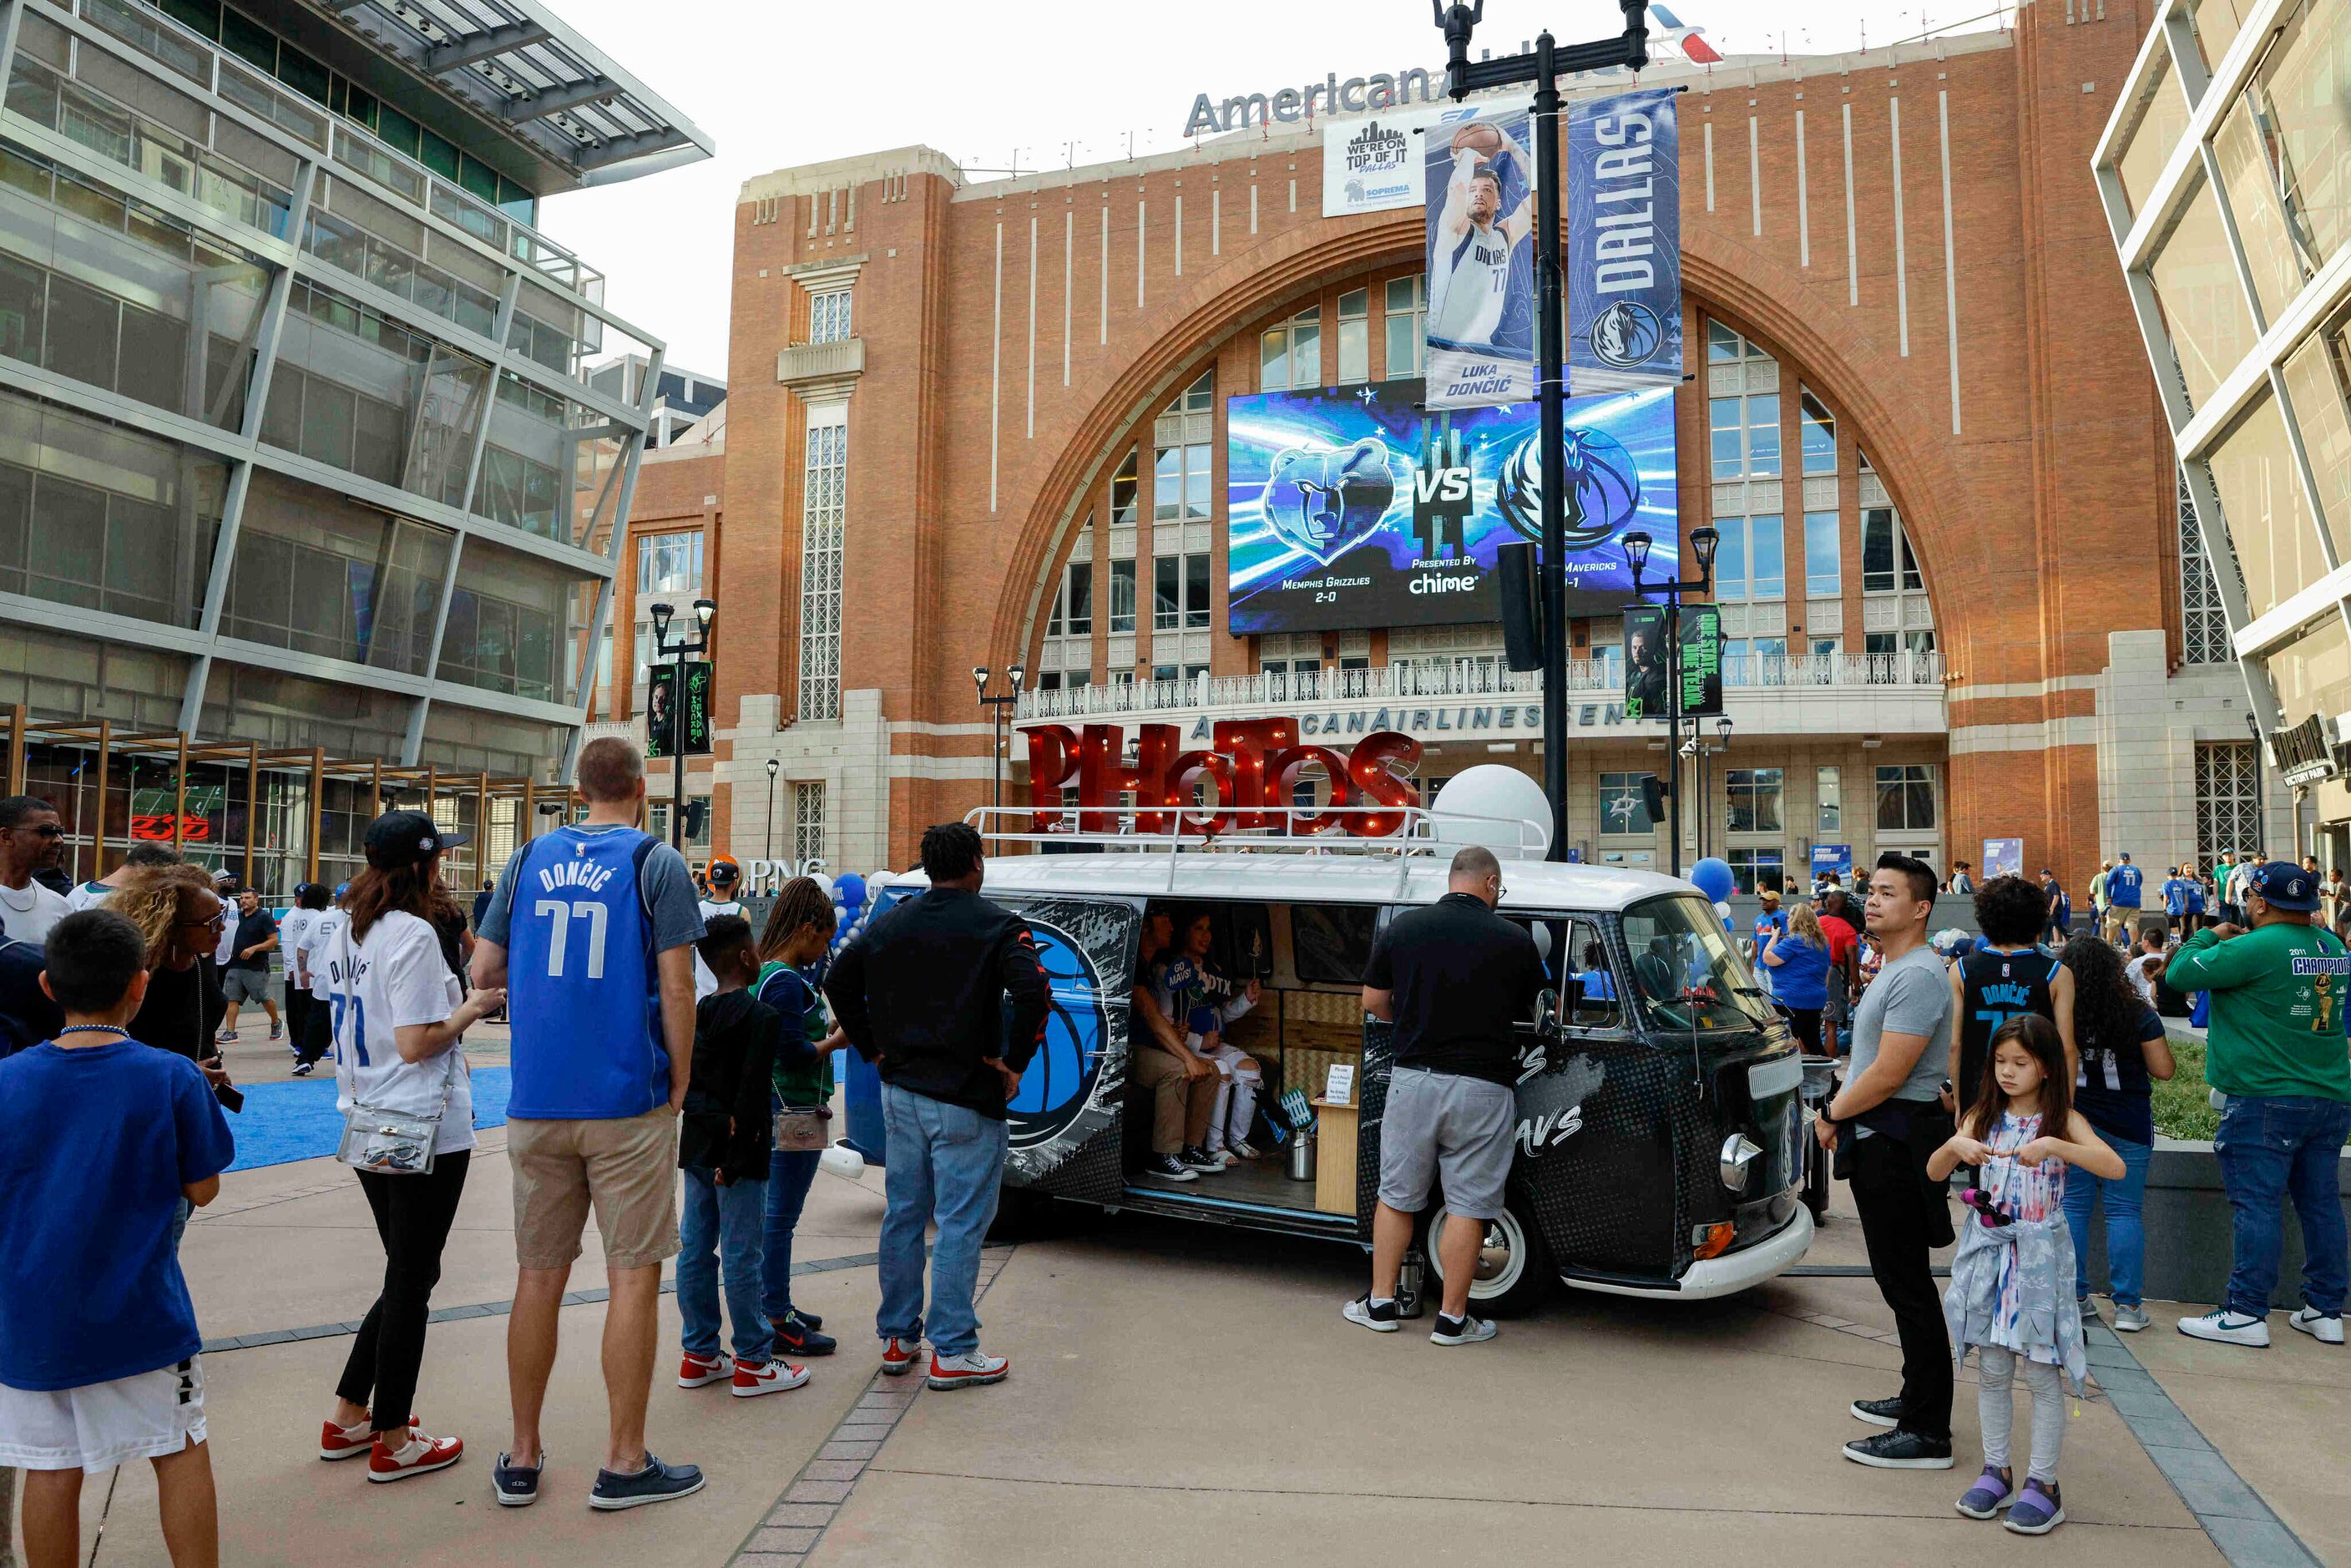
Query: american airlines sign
x=1291, y=104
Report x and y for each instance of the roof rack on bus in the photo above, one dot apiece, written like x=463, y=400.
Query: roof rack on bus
x=1416, y=837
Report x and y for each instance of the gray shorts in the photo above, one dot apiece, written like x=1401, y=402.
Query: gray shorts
x=245, y=985
x=1440, y=1122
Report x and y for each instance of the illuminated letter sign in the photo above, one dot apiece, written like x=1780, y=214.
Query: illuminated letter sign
x=1253, y=770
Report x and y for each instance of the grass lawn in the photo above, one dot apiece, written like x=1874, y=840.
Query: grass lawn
x=2183, y=1107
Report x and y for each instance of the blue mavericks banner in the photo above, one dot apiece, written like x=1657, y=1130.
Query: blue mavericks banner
x=1624, y=244
x=1478, y=182
x=1350, y=507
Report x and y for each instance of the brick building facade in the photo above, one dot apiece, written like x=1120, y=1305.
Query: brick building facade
x=1959, y=612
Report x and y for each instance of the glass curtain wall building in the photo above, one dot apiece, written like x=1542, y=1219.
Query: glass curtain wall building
x=2226, y=176
x=300, y=444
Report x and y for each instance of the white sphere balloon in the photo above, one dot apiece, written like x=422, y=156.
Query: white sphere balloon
x=825, y=882
x=1492, y=791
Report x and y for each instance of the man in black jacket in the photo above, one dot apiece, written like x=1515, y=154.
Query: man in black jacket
x=921, y=995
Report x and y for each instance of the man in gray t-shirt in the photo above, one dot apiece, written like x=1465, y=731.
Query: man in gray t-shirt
x=1891, y=1107
x=1911, y=996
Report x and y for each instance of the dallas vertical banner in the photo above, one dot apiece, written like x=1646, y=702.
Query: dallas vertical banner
x=1480, y=183
x=1623, y=242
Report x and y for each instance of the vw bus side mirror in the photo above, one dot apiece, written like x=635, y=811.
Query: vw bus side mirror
x=1551, y=1020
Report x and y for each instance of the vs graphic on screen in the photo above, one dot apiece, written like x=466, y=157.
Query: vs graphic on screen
x=1350, y=507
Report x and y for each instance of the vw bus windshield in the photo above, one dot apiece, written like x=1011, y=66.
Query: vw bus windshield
x=1684, y=970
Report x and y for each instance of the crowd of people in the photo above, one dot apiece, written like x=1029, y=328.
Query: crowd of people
x=671, y=1074
x=2033, y=1066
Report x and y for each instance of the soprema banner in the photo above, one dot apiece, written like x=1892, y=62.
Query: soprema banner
x=1480, y=184
x=1624, y=244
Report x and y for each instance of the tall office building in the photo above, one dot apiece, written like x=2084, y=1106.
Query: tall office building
x=299, y=442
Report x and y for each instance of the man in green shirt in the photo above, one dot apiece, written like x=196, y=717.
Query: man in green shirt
x=2276, y=1048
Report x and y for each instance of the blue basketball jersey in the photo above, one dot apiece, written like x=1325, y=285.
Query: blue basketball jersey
x=583, y=987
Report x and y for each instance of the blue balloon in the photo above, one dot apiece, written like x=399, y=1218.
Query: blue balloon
x=1713, y=878
x=850, y=887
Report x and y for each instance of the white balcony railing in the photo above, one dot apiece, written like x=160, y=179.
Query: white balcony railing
x=1590, y=677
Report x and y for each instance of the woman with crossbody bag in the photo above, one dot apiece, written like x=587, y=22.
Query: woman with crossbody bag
x=397, y=1013
x=799, y=928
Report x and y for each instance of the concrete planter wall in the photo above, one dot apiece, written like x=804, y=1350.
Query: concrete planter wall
x=2189, y=1230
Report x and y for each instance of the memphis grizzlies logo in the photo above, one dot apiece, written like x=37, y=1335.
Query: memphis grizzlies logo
x=1626, y=335
x=1606, y=487
x=1322, y=500
x=1060, y=1079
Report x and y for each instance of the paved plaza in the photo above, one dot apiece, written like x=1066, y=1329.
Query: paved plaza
x=1192, y=1395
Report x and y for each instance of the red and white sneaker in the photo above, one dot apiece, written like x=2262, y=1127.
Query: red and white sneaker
x=701, y=1371
x=898, y=1356
x=970, y=1370
x=421, y=1455
x=348, y=1442
x=772, y=1376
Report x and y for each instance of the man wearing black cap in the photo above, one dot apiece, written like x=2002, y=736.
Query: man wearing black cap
x=2276, y=1051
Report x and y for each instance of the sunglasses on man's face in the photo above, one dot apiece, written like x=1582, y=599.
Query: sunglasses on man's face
x=43, y=831
x=219, y=918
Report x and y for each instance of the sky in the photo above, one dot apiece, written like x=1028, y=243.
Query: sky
x=989, y=82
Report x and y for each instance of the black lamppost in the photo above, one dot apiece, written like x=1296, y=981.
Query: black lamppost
x=705, y=611
x=2261, y=788
x=773, y=763
x=1002, y=706
x=1464, y=76
x=1703, y=541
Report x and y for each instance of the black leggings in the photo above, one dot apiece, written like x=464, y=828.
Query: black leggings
x=413, y=1214
x=1806, y=1022
x=317, y=1036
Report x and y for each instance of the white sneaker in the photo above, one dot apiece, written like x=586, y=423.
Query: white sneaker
x=2230, y=1327
x=2323, y=1328
x=2130, y=1320
x=968, y=1370
x=771, y=1376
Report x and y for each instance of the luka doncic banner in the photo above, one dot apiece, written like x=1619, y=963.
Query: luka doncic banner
x=1624, y=244
x=1480, y=183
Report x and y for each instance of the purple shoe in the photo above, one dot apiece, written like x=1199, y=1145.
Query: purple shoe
x=1990, y=1493
x=2038, y=1510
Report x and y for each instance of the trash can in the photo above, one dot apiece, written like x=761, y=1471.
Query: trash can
x=861, y=1101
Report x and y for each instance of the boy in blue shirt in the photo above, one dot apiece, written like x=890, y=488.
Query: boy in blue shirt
x=2175, y=901
x=98, y=1341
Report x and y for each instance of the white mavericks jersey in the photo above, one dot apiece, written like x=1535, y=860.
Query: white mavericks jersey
x=705, y=982
x=1468, y=302
x=294, y=933
x=395, y=978
x=332, y=921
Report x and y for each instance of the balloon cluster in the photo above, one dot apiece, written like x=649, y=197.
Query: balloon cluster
x=854, y=903
x=1712, y=877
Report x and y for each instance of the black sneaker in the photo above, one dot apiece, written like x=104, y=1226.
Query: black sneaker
x=1879, y=1412
x=796, y=1336
x=807, y=1318
x=658, y=1482
x=1378, y=1317
x=1196, y=1158
x=1900, y=1450
x=1168, y=1167
x=516, y=1484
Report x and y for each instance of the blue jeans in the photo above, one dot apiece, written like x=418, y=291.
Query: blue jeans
x=2126, y=1236
x=721, y=1223
x=789, y=1174
x=947, y=1164
x=2269, y=1148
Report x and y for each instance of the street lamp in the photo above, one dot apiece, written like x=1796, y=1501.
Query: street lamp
x=1703, y=541
x=773, y=763
x=705, y=611
x=1543, y=68
x=2261, y=797
x=1002, y=706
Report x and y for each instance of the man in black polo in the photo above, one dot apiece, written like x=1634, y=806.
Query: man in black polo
x=1456, y=980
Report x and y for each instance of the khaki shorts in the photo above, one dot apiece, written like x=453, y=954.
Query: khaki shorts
x=626, y=1167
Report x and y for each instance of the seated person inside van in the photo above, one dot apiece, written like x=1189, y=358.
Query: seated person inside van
x=1187, y=987
x=1183, y=1084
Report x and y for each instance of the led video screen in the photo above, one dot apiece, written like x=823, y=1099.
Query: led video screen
x=1348, y=507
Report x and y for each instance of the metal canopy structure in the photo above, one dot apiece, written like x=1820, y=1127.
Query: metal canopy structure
x=519, y=65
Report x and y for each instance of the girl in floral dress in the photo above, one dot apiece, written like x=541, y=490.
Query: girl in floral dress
x=2012, y=1281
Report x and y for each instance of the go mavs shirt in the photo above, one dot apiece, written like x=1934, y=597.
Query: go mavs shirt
x=583, y=914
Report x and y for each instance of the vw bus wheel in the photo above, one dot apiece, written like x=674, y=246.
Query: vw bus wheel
x=1514, y=1268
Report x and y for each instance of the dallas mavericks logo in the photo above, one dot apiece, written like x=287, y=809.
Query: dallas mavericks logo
x=1603, y=488
x=1322, y=501
x=1626, y=334
x=1061, y=1078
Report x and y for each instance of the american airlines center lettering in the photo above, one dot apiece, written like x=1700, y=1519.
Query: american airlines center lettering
x=1352, y=96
